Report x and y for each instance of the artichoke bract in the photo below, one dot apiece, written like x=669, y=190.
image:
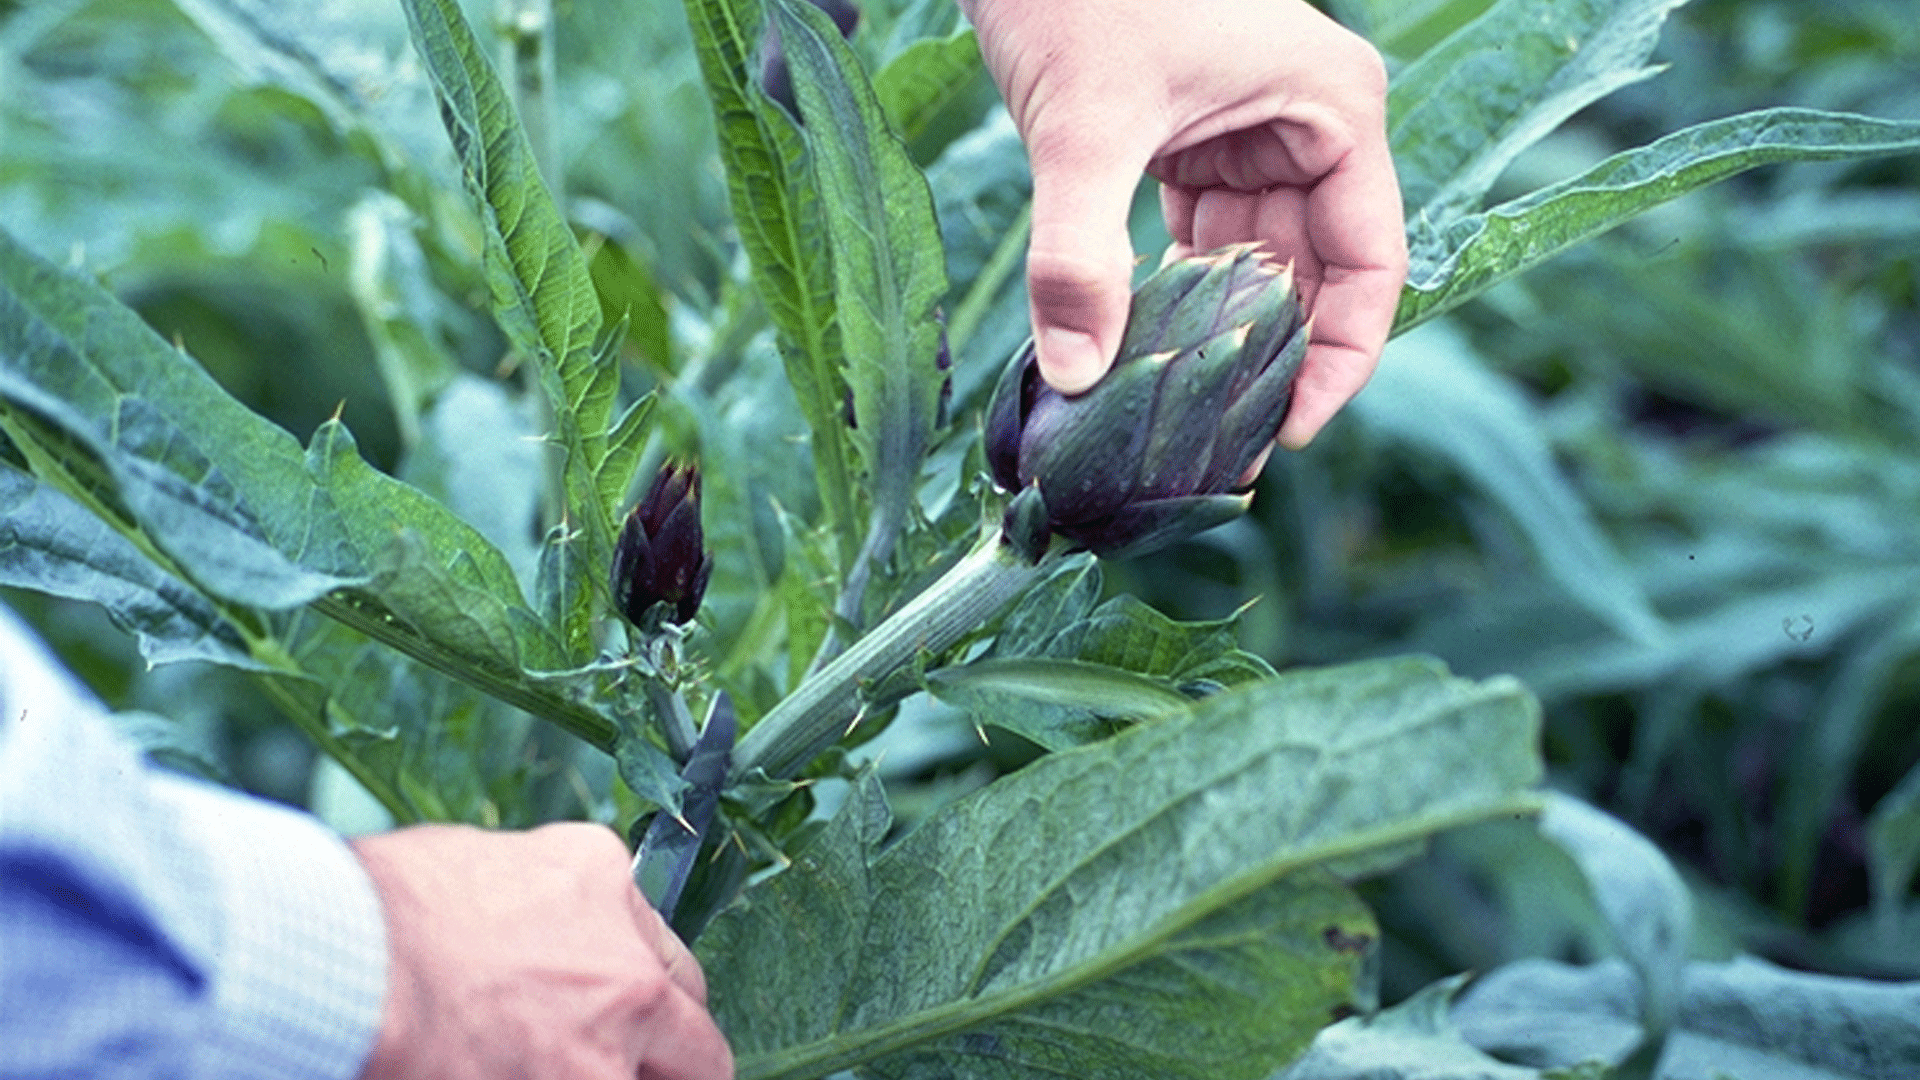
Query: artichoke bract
x=661, y=556
x=1154, y=452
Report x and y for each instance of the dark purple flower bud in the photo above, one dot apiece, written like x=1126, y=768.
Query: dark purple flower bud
x=1155, y=451
x=661, y=557
x=775, y=79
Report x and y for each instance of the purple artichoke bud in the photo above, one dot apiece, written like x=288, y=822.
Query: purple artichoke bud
x=1155, y=451
x=775, y=79
x=661, y=556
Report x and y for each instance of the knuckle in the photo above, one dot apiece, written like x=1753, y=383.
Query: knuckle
x=1061, y=280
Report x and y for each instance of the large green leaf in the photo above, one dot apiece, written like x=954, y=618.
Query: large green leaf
x=783, y=228
x=889, y=268
x=50, y=543
x=430, y=568
x=112, y=414
x=543, y=294
x=1457, y=258
x=1462, y=112
x=1041, y=900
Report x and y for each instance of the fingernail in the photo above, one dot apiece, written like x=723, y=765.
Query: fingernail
x=1070, y=361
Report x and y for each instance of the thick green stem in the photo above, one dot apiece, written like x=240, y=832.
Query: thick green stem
x=826, y=706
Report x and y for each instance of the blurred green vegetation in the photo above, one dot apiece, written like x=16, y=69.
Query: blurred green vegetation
x=1669, y=479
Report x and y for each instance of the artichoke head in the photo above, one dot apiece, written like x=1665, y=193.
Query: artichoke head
x=660, y=557
x=1155, y=451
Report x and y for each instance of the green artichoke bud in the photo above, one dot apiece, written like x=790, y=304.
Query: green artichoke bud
x=1154, y=452
x=661, y=556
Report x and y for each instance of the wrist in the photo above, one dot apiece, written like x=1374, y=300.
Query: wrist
x=399, y=1030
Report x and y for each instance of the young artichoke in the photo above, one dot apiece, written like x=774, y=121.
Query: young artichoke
x=661, y=556
x=1155, y=451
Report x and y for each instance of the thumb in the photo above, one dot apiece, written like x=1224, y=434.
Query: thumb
x=1080, y=258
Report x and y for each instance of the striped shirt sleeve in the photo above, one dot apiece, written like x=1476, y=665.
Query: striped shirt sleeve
x=151, y=925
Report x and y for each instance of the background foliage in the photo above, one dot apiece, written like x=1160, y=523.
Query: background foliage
x=1666, y=478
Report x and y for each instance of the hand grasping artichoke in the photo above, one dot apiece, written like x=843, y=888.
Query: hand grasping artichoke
x=1155, y=451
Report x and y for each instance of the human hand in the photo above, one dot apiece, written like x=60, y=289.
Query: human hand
x=1264, y=121
x=531, y=955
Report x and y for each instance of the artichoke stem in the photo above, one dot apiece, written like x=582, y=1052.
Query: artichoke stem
x=818, y=712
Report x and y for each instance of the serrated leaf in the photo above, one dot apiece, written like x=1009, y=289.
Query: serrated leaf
x=543, y=294
x=429, y=568
x=649, y=773
x=1065, y=598
x=782, y=225
x=52, y=544
x=889, y=269
x=1237, y=991
x=1067, y=877
x=447, y=751
x=1462, y=112
x=1126, y=633
x=227, y=497
x=1455, y=260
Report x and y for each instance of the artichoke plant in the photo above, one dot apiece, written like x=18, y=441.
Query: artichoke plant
x=1156, y=451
